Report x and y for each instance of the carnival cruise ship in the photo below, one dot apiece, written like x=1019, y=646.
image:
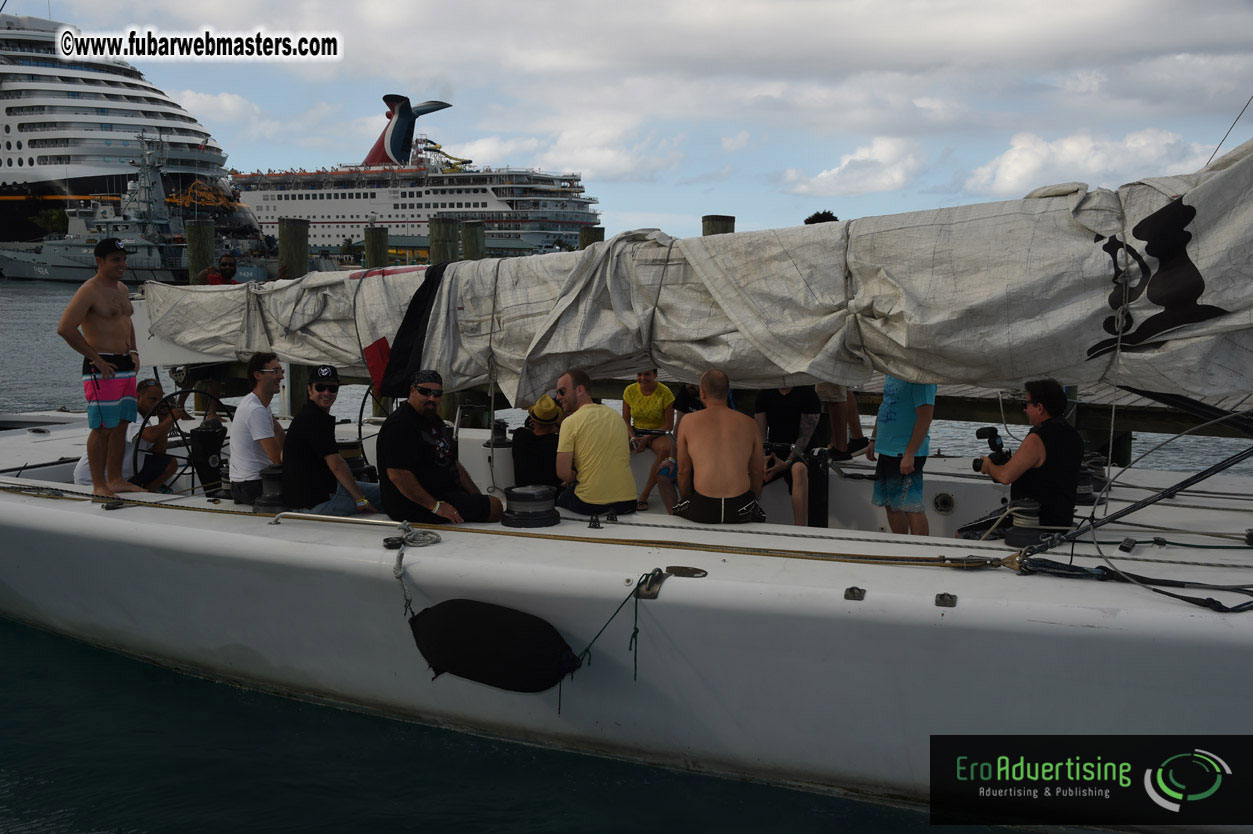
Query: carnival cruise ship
x=405, y=182
x=73, y=130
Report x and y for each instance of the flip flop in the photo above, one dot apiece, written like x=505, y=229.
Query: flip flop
x=857, y=444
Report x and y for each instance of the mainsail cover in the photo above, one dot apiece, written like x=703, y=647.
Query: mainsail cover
x=1149, y=286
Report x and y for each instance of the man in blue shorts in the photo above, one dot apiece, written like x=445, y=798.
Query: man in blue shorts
x=901, y=442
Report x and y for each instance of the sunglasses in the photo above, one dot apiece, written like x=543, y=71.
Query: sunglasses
x=428, y=392
x=323, y=387
x=270, y=371
x=1029, y=402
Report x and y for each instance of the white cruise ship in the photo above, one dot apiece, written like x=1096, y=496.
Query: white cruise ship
x=70, y=132
x=405, y=182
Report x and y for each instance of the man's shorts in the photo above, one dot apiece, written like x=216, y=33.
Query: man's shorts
x=473, y=507
x=902, y=493
x=737, y=510
x=831, y=392
x=110, y=401
x=568, y=500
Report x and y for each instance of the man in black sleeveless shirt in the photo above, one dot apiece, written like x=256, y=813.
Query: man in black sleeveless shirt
x=1046, y=466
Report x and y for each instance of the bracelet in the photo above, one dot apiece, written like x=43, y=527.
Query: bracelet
x=361, y=502
x=435, y=509
x=132, y=350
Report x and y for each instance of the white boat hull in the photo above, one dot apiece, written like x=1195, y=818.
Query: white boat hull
x=762, y=669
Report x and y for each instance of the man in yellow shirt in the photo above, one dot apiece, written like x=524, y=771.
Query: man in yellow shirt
x=593, y=452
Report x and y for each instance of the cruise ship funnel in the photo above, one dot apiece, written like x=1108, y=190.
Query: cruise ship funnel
x=396, y=140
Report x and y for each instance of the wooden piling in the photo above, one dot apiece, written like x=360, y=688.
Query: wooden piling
x=293, y=246
x=591, y=234
x=199, y=234
x=444, y=240
x=297, y=387
x=717, y=224
x=473, y=240
x=375, y=247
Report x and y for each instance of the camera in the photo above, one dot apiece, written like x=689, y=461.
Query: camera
x=998, y=455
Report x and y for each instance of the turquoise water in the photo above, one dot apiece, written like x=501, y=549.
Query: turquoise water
x=95, y=742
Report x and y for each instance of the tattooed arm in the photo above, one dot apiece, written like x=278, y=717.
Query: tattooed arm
x=809, y=422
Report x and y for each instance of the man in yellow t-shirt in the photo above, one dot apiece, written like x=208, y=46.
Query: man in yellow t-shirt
x=593, y=453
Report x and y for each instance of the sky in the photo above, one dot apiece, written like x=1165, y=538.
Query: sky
x=766, y=111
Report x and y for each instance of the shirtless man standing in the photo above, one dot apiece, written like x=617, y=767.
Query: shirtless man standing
x=102, y=308
x=721, y=464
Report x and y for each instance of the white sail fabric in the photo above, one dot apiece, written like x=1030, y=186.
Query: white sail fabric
x=987, y=295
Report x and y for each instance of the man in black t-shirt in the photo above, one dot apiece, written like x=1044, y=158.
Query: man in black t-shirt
x=316, y=478
x=788, y=416
x=420, y=476
x=1046, y=466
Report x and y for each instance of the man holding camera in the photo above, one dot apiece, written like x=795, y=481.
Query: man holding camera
x=1045, y=468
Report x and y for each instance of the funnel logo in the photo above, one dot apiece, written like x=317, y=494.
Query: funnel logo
x=1187, y=777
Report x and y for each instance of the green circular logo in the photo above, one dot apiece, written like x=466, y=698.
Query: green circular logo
x=1186, y=777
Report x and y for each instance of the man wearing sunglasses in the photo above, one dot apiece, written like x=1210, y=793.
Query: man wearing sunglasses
x=593, y=452
x=256, y=437
x=1045, y=468
x=420, y=477
x=315, y=477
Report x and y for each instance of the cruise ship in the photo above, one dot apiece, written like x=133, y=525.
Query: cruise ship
x=72, y=131
x=405, y=181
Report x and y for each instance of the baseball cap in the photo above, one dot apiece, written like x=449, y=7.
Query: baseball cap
x=324, y=373
x=110, y=245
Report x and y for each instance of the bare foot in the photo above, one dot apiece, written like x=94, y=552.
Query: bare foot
x=102, y=492
x=125, y=486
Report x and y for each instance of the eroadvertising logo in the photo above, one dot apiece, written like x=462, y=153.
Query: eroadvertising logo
x=1091, y=780
x=1186, y=777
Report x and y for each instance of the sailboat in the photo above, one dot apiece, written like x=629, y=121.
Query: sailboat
x=820, y=658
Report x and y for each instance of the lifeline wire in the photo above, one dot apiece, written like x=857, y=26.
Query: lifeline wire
x=1228, y=133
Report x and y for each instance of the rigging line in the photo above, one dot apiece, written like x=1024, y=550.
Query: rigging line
x=1110, y=482
x=1000, y=401
x=652, y=318
x=1228, y=133
x=966, y=562
x=965, y=544
x=1130, y=578
x=1121, y=324
x=491, y=386
x=1169, y=492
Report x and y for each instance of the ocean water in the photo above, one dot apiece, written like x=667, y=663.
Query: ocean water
x=95, y=742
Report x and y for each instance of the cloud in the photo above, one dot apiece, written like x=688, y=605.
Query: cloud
x=738, y=142
x=599, y=151
x=498, y=150
x=886, y=164
x=217, y=107
x=666, y=221
x=1032, y=161
x=721, y=175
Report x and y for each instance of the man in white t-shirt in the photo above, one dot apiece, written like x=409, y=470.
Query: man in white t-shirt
x=256, y=437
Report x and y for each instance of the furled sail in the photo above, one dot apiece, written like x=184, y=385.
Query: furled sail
x=1149, y=286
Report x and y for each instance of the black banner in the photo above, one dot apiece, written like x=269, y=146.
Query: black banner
x=1092, y=780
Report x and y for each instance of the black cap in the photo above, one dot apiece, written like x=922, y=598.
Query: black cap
x=109, y=245
x=324, y=373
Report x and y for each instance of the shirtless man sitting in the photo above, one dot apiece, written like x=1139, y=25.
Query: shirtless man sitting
x=721, y=465
x=102, y=309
